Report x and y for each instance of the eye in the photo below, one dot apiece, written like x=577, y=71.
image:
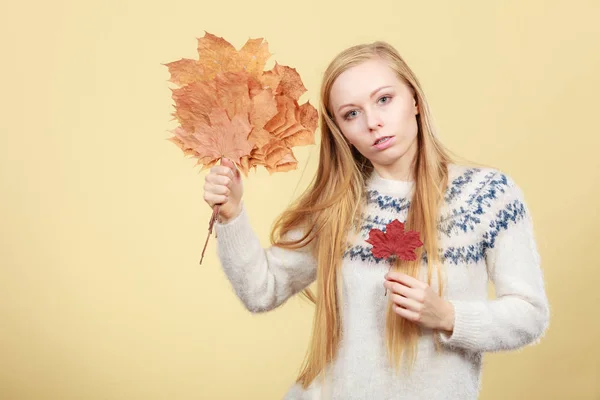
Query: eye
x=350, y=114
x=384, y=99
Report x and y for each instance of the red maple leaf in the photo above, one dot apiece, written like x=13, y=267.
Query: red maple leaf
x=394, y=241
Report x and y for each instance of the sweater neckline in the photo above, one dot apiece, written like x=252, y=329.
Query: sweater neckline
x=392, y=187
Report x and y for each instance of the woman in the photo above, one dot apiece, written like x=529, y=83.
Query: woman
x=388, y=328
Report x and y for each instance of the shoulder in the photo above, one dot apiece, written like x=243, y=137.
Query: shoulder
x=482, y=189
x=462, y=174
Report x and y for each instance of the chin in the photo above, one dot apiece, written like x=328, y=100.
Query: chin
x=388, y=157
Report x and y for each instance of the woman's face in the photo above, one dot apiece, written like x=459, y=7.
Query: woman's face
x=376, y=112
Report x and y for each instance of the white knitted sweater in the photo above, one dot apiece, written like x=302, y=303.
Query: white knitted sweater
x=485, y=234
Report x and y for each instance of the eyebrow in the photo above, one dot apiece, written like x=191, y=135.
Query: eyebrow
x=371, y=95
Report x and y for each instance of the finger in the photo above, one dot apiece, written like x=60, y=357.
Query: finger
x=398, y=288
x=405, y=279
x=407, y=303
x=214, y=199
x=408, y=314
x=230, y=164
x=222, y=170
x=233, y=166
x=217, y=189
x=227, y=162
x=218, y=180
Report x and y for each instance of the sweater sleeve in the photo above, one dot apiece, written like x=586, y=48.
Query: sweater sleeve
x=519, y=314
x=263, y=279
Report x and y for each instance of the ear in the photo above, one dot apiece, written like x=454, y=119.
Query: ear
x=416, y=106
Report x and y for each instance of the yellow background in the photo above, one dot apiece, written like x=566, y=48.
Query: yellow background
x=103, y=222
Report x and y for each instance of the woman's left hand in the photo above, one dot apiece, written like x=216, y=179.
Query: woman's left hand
x=417, y=302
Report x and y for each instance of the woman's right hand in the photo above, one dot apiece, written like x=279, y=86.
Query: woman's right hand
x=223, y=187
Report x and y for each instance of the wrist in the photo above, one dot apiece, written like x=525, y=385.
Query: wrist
x=447, y=323
x=226, y=217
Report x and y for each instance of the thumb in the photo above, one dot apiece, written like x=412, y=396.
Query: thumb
x=228, y=163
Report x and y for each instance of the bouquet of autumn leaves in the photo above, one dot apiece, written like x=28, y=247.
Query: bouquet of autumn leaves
x=228, y=106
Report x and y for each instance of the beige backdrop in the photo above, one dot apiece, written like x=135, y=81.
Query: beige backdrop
x=101, y=294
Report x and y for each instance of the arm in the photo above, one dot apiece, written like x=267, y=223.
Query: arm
x=519, y=315
x=263, y=279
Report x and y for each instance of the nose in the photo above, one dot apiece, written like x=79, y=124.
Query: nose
x=374, y=120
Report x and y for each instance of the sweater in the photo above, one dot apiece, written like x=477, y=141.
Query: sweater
x=485, y=233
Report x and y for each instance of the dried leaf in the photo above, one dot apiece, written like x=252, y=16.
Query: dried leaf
x=188, y=151
x=245, y=165
x=222, y=138
x=193, y=103
x=290, y=82
x=232, y=93
x=207, y=162
x=215, y=55
x=270, y=80
x=394, y=241
x=264, y=108
x=286, y=124
x=275, y=157
x=218, y=55
x=308, y=116
x=286, y=163
x=185, y=71
x=253, y=56
x=285, y=118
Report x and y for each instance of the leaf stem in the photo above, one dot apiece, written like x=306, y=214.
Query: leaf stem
x=211, y=224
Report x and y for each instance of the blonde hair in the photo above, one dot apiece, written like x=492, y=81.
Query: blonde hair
x=334, y=202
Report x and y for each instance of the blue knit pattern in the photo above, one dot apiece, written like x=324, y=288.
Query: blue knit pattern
x=458, y=184
x=387, y=203
x=469, y=206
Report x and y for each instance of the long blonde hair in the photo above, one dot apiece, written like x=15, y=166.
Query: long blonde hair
x=334, y=202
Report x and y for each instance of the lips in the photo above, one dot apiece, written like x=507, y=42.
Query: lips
x=381, y=140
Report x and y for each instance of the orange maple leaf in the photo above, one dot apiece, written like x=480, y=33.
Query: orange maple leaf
x=218, y=55
x=279, y=158
x=290, y=83
x=264, y=108
x=193, y=103
x=185, y=71
x=222, y=138
x=308, y=116
x=232, y=93
x=287, y=124
x=293, y=125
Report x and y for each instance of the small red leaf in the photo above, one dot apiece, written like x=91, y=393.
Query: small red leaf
x=394, y=241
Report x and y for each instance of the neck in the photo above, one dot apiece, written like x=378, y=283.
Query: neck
x=401, y=170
